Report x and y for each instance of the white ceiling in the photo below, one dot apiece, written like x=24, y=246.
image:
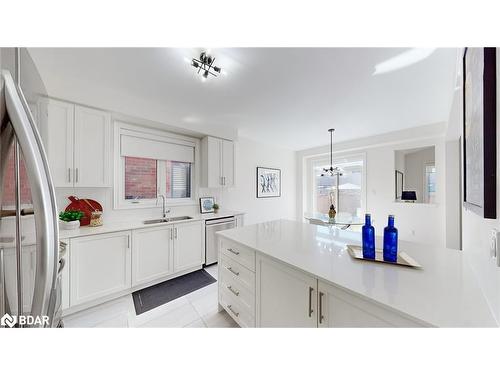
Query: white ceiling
x=288, y=97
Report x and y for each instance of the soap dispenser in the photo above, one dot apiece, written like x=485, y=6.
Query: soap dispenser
x=390, y=241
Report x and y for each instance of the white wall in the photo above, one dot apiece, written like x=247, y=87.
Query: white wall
x=423, y=223
x=249, y=156
x=476, y=231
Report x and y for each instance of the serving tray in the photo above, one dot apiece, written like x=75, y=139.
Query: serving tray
x=403, y=259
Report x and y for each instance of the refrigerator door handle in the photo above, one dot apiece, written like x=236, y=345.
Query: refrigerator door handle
x=2, y=284
x=43, y=196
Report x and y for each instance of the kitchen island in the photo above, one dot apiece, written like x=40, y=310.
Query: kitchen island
x=289, y=274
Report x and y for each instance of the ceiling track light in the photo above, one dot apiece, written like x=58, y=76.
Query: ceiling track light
x=205, y=64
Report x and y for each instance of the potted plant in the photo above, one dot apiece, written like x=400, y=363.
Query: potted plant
x=70, y=219
x=215, y=207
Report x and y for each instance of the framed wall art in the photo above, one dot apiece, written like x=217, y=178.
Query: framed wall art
x=268, y=182
x=479, y=131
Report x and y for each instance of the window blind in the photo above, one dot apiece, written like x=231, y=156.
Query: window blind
x=180, y=183
x=155, y=149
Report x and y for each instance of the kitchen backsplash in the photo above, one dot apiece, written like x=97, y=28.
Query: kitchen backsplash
x=105, y=197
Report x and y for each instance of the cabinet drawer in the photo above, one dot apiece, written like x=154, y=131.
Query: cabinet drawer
x=233, y=269
x=241, y=315
x=239, y=253
x=240, y=293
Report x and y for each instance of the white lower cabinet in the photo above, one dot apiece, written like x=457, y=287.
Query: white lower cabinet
x=285, y=297
x=237, y=282
x=188, y=245
x=104, y=266
x=151, y=254
x=288, y=297
x=99, y=266
x=338, y=308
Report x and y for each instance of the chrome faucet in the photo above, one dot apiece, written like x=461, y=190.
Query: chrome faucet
x=164, y=208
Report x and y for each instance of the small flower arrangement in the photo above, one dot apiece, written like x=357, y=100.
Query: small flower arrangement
x=215, y=206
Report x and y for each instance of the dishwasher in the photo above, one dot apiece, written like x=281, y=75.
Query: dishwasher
x=213, y=226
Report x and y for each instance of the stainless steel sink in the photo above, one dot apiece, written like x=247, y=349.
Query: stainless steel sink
x=179, y=218
x=167, y=220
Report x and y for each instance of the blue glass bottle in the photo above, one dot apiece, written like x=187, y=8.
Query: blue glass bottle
x=368, y=234
x=390, y=241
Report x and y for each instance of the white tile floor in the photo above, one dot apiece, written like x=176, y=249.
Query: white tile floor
x=197, y=310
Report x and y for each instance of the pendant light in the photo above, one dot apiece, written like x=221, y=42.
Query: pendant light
x=332, y=171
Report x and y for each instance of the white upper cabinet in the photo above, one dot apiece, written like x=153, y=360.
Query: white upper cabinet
x=227, y=163
x=92, y=149
x=58, y=120
x=217, y=162
x=78, y=144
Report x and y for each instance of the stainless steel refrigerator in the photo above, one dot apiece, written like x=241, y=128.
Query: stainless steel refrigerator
x=30, y=281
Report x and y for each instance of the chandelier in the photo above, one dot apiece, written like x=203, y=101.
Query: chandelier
x=332, y=171
x=206, y=65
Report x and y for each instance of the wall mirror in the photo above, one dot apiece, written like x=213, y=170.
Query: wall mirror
x=415, y=175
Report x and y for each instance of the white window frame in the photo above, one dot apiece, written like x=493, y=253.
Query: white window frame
x=310, y=197
x=119, y=201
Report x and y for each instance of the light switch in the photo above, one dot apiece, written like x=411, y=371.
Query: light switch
x=496, y=247
x=493, y=243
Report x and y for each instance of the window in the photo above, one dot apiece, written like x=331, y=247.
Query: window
x=153, y=164
x=140, y=178
x=351, y=186
x=178, y=179
x=430, y=183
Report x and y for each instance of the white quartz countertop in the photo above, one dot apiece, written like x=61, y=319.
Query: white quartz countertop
x=138, y=224
x=443, y=293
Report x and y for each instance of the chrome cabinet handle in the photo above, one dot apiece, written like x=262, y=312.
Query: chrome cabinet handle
x=171, y=233
x=233, y=271
x=233, y=251
x=175, y=229
x=76, y=175
x=69, y=174
x=235, y=292
x=224, y=181
x=321, y=317
x=62, y=263
x=230, y=307
x=311, y=290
